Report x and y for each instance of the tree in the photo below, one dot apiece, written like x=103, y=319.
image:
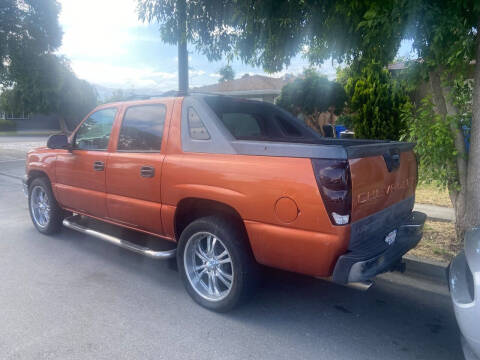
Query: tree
x=34, y=78
x=376, y=101
x=312, y=94
x=226, y=72
x=28, y=28
x=445, y=35
x=49, y=86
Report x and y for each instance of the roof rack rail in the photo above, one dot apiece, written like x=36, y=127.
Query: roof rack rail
x=205, y=93
x=170, y=93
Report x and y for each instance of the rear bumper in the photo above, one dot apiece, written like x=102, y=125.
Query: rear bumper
x=356, y=266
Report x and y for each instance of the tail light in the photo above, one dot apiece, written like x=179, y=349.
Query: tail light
x=335, y=186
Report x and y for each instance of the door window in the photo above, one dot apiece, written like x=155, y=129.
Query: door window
x=94, y=133
x=142, y=129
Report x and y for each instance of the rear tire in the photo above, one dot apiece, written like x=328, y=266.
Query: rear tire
x=46, y=215
x=216, y=264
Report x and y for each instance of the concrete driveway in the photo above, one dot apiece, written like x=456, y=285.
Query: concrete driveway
x=71, y=296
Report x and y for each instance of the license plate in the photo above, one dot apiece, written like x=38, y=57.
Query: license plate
x=390, y=238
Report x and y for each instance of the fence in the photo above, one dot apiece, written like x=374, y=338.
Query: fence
x=26, y=122
x=14, y=117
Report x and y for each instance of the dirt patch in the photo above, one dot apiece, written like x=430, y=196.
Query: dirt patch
x=439, y=242
x=432, y=194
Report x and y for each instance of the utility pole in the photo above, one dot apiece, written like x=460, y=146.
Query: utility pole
x=182, y=47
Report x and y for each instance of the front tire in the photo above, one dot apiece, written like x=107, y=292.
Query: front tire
x=46, y=215
x=216, y=264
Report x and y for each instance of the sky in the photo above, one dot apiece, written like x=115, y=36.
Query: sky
x=107, y=45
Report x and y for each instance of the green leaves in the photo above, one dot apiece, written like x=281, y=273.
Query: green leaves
x=226, y=72
x=28, y=28
x=376, y=101
x=46, y=85
x=435, y=144
x=271, y=32
x=312, y=94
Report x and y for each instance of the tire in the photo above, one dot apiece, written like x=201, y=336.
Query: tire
x=45, y=213
x=233, y=276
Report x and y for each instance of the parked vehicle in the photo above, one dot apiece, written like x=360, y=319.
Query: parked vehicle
x=231, y=184
x=464, y=281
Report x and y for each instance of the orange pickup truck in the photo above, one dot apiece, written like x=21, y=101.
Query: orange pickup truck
x=230, y=184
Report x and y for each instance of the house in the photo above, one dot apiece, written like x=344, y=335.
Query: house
x=255, y=87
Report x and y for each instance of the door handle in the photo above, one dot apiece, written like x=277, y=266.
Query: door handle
x=147, y=171
x=98, y=166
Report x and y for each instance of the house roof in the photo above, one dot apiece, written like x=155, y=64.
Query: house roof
x=247, y=83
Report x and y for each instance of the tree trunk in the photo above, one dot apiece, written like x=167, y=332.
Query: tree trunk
x=461, y=159
x=445, y=107
x=472, y=215
x=182, y=47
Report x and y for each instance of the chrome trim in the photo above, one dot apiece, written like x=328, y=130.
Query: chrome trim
x=40, y=206
x=159, y=255
x=208, y=266
x=362, y=286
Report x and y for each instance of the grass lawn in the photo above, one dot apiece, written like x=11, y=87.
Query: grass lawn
x=432, y=194
x=439, y=242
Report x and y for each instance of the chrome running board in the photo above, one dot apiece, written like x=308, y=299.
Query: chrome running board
x=160, y=255
x=362, y=285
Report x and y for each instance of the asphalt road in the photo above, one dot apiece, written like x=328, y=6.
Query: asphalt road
x=71, y=296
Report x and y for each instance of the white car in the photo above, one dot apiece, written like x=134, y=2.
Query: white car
x=464, y=280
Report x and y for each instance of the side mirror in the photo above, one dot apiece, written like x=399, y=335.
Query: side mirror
x=58, y=141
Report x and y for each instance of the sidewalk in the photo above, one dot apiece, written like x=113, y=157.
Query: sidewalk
x=18, y=133
x=434, y=212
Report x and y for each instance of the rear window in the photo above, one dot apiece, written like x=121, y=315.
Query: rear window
x=258, y=121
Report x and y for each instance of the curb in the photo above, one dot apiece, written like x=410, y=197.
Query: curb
x=434, y=270
x=436, y=213
x=439, y=219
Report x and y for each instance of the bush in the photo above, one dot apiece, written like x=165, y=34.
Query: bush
x=435, y=144
x=377, y=100
x=312, y=94
x=7, y=125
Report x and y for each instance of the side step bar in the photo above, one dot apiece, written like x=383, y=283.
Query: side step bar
x=362, y=285
x=160, y=255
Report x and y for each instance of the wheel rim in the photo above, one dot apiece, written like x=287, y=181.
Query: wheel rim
x=208, y=265
x=40, y=206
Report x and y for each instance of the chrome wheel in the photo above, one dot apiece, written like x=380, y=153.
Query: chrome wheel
x=40, y=205
x=208, y=266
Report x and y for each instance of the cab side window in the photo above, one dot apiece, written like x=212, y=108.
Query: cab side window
x=94, y=133
x=142, y=128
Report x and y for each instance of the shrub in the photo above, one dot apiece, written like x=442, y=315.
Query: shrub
x=376, y=100
x=435, y=145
